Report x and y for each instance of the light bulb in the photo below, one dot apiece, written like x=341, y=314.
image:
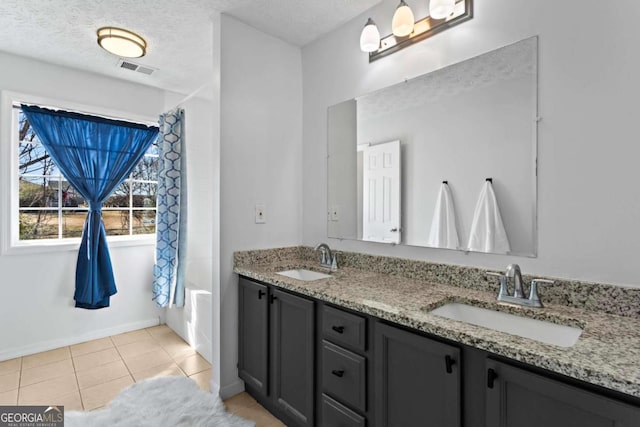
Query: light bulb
x=402, y=23
x=440, y=9
x=370, y=37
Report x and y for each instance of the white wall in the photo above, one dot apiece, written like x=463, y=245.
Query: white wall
x=260, y=155
x=588, y=196
x=36, y=308
x=193, y=322
x=217, y=327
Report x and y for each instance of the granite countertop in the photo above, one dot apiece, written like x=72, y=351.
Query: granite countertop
x=607, y=353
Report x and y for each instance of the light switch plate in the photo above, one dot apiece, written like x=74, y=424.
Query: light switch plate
x=335, y=213
x=261, y=217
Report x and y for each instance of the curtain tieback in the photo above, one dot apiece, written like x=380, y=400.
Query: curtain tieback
x=94, y=209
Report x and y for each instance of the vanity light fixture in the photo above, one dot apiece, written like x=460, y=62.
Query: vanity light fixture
x=443, y=14
x=402, y=22
x=370, y=37
x=121, y=42
x=440, y=9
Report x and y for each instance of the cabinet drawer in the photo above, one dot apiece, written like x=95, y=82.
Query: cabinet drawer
x=336, y=415
x=344, y=328
x=344, y=375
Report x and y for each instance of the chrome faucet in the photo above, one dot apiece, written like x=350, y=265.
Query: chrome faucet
x=513, y=274
x=328, y=260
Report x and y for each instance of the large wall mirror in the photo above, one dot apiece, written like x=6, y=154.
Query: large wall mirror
x=390, y=151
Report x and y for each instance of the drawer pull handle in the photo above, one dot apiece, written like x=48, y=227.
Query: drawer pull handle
x=261, y=294
x=337, y=373
x=338, y=329
x=449, y=362
x=272, y=298
x=491, y=377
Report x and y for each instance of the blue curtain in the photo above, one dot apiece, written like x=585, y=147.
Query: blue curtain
x=168, y=272
x=95, y=155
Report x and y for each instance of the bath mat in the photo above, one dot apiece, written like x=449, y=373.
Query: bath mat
x=158, y=402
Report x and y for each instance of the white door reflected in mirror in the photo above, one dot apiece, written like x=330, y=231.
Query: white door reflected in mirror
x=381, y=192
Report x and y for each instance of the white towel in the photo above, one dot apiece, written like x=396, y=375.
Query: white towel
x=487, y=230
x=443, y=226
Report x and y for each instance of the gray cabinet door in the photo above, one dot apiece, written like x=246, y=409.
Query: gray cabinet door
x=292, y=355
x=253, y=334
x=519, y=398
x=417, y=380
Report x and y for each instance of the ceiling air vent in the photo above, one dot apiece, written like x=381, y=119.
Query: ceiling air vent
x=132, y=66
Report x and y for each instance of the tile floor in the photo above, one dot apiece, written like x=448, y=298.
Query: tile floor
x=87, y=376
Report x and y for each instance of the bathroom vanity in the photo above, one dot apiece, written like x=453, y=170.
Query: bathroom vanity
x=362, y=348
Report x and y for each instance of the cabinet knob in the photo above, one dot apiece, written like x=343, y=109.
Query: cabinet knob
x=338, y=373
x=261, y=293
x=491, y=377
x=272, y=298
x=338, y=329
x=449, y=362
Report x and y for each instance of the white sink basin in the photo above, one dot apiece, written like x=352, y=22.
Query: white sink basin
x=302, y=274
x=539, y=330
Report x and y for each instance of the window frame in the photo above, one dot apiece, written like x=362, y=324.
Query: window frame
x=10, y=243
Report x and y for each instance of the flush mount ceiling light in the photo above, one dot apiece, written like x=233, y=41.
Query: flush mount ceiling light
x=121, y=42
x=443, y=14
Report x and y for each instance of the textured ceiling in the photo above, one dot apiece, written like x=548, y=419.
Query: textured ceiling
x=178, y=33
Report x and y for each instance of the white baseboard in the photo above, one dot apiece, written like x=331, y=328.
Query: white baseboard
x=230, y=390
x=63, y=342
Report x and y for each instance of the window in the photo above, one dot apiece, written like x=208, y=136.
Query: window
x=49, y=208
